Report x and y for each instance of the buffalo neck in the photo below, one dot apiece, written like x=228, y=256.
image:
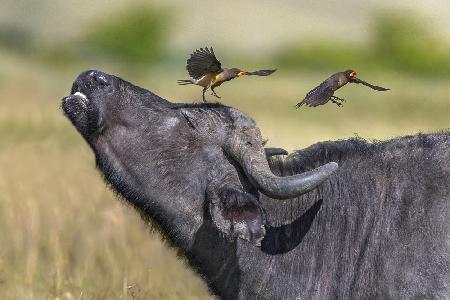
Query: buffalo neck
x=141, y=172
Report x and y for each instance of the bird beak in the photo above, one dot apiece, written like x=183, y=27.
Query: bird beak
x=242, y=73
x=355, y=80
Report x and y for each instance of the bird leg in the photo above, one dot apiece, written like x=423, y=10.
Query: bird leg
x=336, y=102
x=214, y=93
x=203, y=94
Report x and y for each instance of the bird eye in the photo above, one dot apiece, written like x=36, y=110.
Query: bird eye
x=352, y=74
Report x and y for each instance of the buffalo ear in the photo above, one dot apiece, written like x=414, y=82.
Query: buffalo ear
x=238, y=214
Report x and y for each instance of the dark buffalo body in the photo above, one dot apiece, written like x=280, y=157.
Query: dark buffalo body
x=379, y=227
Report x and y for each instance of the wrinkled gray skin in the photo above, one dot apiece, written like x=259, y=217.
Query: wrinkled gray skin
x=382, y=229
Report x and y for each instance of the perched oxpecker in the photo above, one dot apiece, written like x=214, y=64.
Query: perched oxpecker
x=324, y=92
x=207, y=72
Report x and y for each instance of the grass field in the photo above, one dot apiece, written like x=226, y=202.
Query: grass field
x=64, y=235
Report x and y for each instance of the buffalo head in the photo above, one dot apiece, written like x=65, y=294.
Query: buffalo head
x=185, y=162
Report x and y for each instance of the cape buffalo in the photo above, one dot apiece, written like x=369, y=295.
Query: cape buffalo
x=378, y=227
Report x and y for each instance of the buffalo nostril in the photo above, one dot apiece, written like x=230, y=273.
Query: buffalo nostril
x=99, y=77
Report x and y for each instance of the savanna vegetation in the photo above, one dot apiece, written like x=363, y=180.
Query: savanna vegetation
x=64, y=234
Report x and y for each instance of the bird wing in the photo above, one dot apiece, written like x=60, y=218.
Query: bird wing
x=201, y=62
x=261, y=72
x=375, y=87
x=318, y=95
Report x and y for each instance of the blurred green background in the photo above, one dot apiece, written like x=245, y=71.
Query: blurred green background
x=64, y=235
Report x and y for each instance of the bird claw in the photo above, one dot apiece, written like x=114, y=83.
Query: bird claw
x=337, y=103
x=215, y=95
x=338, y=99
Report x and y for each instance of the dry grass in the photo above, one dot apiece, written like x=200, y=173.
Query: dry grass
x=64, y=234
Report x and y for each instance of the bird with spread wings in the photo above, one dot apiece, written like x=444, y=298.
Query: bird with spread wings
x=206, y=71
x=324, y=92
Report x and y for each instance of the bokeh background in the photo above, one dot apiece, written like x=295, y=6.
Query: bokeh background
x=64, y=235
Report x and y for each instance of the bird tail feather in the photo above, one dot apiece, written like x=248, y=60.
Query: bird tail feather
x=184, y=81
